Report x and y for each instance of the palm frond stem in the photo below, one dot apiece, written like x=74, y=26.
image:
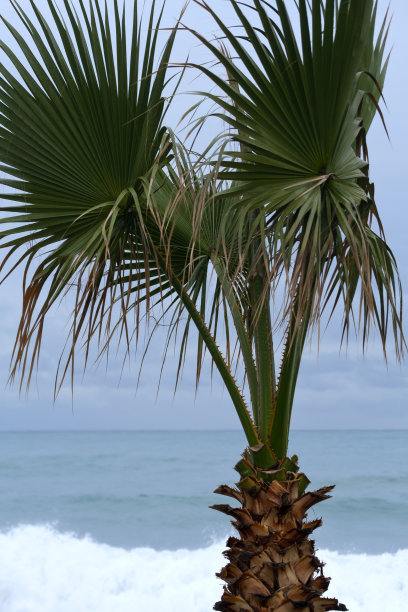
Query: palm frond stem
x=243, y=337
x=225, y=372
x=291, y=358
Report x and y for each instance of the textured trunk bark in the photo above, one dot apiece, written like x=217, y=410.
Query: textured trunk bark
x=272, y=565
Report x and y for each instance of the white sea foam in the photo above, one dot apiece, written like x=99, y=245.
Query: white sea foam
x=43, y=570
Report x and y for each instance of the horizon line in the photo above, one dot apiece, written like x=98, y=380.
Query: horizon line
x=131, y=430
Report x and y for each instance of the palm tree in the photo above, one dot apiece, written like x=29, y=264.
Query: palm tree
x=113, y=206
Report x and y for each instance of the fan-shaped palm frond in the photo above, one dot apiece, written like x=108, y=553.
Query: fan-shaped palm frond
x=81, y=133
x=87, y=159
x=300, y=108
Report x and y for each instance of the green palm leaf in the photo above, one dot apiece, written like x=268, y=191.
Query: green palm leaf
x=300, y=108
x=81, y=132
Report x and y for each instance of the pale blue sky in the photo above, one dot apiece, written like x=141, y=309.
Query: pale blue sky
x=334, y=391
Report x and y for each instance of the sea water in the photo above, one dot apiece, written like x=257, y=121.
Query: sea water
x=119, y=521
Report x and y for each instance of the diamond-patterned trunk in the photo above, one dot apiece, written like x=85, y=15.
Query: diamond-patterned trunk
x=272, y=565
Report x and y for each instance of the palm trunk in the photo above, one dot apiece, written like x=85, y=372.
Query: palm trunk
x=272, y=565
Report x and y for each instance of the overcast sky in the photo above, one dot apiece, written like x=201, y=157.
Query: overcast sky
x=335, y=390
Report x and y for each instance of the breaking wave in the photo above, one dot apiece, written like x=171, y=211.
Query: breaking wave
x=43, y=570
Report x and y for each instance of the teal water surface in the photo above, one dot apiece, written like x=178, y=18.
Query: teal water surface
x=153, y=489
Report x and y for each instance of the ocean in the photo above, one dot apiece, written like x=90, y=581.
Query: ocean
x=119, y=521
